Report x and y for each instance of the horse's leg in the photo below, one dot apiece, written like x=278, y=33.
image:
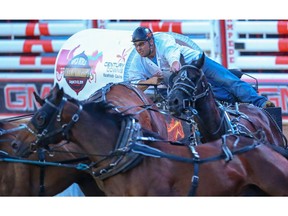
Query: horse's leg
x=89, y=186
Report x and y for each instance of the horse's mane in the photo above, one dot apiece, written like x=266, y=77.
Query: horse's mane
x=106, y=109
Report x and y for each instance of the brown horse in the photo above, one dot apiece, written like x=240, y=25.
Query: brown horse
x=135, y=102
x=191, y=95
x=29, y=178
x=127, y=163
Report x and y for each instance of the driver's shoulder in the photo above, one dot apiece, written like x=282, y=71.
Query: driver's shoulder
x=162, y=36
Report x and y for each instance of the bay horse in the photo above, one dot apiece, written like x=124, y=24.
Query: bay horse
x=31, y=177
x=191, y=95
x=128, y=160
x=135, y=102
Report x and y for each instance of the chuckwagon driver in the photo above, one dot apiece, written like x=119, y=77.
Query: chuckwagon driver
x=161, y=51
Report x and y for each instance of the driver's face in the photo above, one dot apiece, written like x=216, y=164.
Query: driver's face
x=142, y=48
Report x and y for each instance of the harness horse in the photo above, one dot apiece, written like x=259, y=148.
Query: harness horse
x=127, y=159
x=135, y=102
x=36, y=176
x=191, y=95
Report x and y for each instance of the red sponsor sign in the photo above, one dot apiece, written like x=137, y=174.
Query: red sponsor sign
x=157, y=26
x=283, y=44
x=46, y=44
x=17, y=96
x=282, y=27
x=41, y=27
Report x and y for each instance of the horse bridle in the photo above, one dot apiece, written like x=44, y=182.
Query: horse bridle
x=189, y=88
x=49, y=131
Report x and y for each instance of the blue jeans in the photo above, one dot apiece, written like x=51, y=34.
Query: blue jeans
x=228, y=87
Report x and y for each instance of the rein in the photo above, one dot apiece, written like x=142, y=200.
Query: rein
x=20, y=127
x=227, y=155
x=4, y=157
x=16, y=118
x=146, y=150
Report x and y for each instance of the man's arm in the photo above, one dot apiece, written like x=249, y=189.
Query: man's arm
x=156, y=80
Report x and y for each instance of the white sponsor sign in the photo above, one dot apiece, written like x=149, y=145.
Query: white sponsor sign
x=92, y=58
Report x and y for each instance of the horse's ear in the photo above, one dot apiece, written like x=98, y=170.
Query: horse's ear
x=55, y=89
x=57, y=86
x=38, y=99
x=60, y=93
x=199, y=62
x=182, y=60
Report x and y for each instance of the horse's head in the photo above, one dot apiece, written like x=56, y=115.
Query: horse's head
x=186, y=87
x=44, y=127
